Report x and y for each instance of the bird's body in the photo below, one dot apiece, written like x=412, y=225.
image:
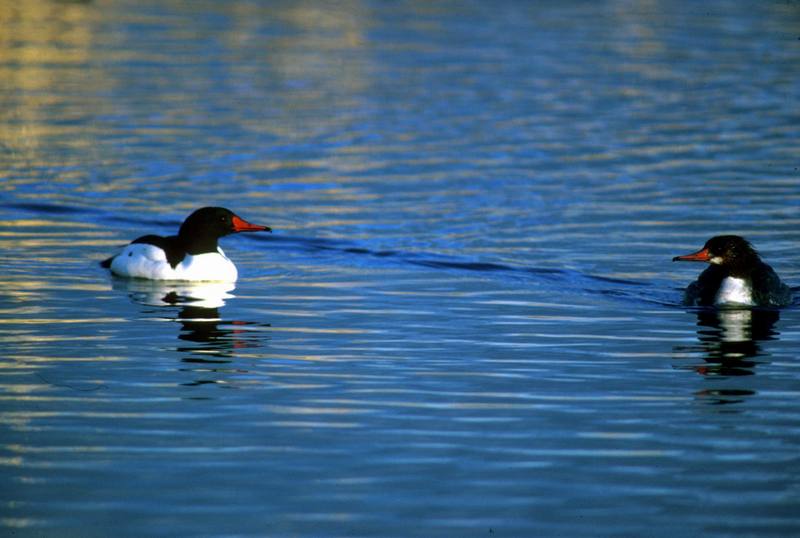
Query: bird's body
x=736, y=276
x=193, y=254
x=142, y=260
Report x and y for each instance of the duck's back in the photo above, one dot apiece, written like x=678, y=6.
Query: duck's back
x=768, y=290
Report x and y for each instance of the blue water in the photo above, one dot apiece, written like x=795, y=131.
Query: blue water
x=466, y=321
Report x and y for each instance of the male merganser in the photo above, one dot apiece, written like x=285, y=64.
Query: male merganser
x=193, y=254
x=736, y=276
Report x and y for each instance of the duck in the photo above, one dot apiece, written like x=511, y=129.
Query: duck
x=736, y=276
x=191, y=255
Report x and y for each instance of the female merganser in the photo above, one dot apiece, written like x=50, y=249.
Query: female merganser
x=736, y=276
x=193, y=254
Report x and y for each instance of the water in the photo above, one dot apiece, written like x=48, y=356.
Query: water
x=466, y=322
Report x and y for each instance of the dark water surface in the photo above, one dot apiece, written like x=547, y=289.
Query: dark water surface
x=466, y=322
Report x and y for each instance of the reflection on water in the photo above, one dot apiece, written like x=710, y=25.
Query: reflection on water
x=213, y=342
x=731, y=334
x=730, y=345
x=208, y=338
x=218, y=339
x=208, y=295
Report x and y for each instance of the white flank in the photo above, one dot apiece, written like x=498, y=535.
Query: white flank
x=140, y=260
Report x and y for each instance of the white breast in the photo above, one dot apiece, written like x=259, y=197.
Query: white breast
x=140, y=260
x=734, y=290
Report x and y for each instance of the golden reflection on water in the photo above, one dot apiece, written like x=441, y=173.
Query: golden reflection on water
x=54, y=321
x=44, y=48
x=74, y=58
x=35, y=359
x=29, y=223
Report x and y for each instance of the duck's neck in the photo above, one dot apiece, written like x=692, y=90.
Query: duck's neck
x=198, y=244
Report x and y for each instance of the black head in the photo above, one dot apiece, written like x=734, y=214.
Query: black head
x=730, y=251
x=203, y=227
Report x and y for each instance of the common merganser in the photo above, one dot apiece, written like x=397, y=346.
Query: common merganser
x=736, y=276
x=193, y=254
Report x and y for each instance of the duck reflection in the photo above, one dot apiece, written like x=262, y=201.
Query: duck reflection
x=730, y=342
x=206, y=339
x=209, y=295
